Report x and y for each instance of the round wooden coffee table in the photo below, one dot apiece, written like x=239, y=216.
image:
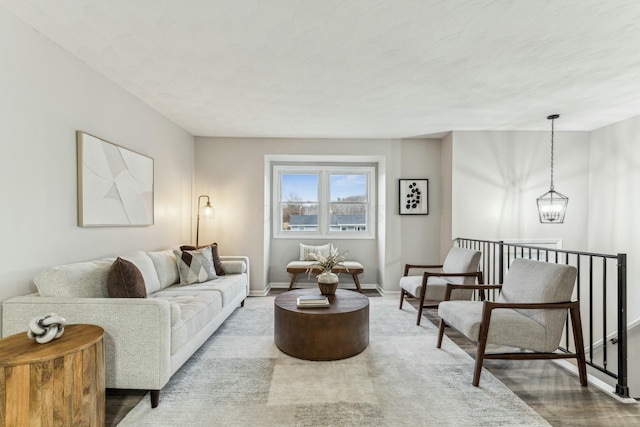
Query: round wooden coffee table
x=327, y=333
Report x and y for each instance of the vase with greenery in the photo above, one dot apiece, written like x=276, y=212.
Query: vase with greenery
x=327, y=280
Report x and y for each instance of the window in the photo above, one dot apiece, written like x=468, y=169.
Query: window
x=318, y=201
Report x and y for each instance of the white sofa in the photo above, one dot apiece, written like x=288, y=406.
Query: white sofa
x=146, y=339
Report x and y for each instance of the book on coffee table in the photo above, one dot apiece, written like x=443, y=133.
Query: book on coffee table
x=310, y=301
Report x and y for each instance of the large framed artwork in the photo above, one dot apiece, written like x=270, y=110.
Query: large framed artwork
x=414, y=196
x=115, y=184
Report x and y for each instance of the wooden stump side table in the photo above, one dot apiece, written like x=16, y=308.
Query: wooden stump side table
x=60, y=383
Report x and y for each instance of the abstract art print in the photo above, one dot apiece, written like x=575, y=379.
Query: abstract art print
x=115, y=185
x=414, y=196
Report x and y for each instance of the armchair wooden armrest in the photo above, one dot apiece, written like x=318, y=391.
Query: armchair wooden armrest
x=574, y=313
x=480, y=287
x=491, y=305
x=449, y=286
x=427, y=274
x=407, y=267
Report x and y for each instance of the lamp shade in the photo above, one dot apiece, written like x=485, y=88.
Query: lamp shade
x=207, y=210
x=552, y=206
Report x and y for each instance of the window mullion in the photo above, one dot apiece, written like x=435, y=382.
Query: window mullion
x=324, y=203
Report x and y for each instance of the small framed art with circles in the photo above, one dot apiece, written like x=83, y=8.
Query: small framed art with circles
x=414, y=196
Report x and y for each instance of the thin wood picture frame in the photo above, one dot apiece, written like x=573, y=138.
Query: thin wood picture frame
x=115, y=184
x=414, y=196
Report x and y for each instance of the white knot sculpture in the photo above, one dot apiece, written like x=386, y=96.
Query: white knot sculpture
x=46, y=328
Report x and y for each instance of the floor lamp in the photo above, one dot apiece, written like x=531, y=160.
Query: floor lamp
x=207, y=212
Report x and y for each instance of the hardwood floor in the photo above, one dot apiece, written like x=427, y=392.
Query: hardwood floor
x=551, y=391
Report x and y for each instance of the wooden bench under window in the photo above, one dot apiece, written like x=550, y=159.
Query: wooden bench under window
x=352, y=267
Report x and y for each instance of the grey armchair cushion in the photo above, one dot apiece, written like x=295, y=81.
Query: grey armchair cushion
x=508, y=327
x=526, y=281
x=435, y=288
x=461, y=260
x=534, y=281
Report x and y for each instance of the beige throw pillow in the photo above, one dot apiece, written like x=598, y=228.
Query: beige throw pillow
x=217, y=263
x=195, y=266
x=306, y=250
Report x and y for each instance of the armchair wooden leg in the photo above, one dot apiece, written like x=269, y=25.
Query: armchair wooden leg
x=440, y=333
x=482, y=345
x=576, y=324
x=478, y=369
x=420, y=307
x=419, y=315
x=402, y=293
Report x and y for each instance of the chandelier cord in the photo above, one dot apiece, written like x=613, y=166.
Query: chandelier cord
x=552, y=121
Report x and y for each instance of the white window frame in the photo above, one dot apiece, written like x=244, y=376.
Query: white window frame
x=324, y=171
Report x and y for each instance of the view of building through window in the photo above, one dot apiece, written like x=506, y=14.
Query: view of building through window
x=337, y=197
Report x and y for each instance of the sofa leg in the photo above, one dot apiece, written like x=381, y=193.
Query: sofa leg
x=242, y=303
x=155, y=398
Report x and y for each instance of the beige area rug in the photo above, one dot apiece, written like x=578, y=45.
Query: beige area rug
x=240, y=378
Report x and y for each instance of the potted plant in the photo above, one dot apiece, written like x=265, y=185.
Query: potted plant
x=327, y=280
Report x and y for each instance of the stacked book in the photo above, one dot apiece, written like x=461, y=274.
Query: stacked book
x=309, y=301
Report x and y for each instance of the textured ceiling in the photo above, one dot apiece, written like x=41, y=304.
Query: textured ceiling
x=358, y=68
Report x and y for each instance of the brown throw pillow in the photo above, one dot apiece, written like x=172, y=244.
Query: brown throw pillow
x=217, y=264
x=125, y=280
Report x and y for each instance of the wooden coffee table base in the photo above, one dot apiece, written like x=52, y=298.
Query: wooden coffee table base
x=332, y=333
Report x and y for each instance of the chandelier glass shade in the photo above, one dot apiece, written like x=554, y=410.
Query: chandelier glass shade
x=552, y=205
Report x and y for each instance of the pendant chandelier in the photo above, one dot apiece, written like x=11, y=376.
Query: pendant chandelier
x=552, y=205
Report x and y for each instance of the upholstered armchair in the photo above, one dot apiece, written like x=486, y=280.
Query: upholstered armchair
x=529, y=315
x=460, y=267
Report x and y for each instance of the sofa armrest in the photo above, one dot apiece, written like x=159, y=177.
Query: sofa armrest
x=137, y=337
x=242, y=258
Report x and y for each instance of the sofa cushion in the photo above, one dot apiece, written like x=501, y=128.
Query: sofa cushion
x=307, y=250
x=215, y=255
x=166, y=267
x=125, y=280
x=195, y=309
x=79, y=280
x=507, y=327
x=146, y=267
x=195, y=266
x=229, y=286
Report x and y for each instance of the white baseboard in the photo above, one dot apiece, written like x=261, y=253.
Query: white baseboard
x=594, y=381
x=259, y=292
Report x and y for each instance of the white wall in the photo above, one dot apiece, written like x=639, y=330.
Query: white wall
x=446, y=163
x=231, y=171
x=615, y=199
x=46, y=96
x=497, y=176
